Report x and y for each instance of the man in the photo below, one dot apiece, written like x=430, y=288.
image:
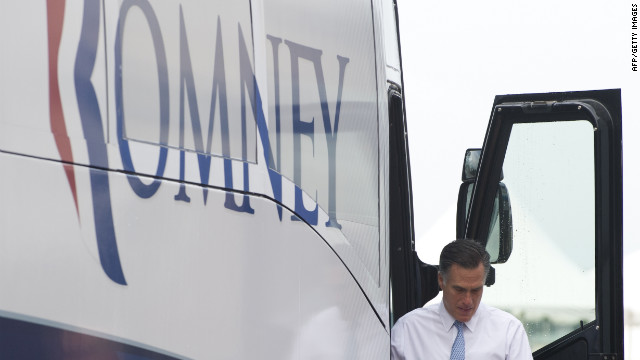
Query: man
x=460, y=327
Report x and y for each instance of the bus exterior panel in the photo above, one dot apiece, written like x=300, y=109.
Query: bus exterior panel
x=193, y=179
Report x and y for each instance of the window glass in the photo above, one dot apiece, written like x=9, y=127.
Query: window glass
x=323, y=123
x=549, y=280
x=188, y=57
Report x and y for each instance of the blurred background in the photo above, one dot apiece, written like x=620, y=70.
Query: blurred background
x=458, y=55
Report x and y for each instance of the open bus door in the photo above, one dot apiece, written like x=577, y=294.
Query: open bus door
x=544, y=195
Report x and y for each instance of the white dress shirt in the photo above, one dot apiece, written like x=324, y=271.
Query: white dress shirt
x=428, y=333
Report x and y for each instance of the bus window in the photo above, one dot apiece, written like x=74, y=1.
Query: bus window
x=549, y=280
x=196, y=75
x=323, y=114
x=561, y=158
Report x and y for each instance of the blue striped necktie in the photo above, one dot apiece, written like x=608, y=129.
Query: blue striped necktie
x=457, y=350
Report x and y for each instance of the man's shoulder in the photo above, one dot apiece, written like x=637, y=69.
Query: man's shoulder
x=419, y=315
x=498, y=315
x=501, y=323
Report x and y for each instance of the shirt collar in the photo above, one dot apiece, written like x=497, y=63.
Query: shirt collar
x=445, y=317
x=448, y=320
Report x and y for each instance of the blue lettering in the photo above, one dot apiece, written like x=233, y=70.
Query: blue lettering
x=91, y=120
x=275, y=43
x=219, y=84
x=247, y=82
x=93, y=131
x=314, y=55
x=142, y=190
x=332, y=138
x=300, y=127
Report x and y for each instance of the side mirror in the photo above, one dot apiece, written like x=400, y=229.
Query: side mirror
x=500, y=239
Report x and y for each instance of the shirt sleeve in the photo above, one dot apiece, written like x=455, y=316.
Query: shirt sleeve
x=397, y=341
x=519, y=348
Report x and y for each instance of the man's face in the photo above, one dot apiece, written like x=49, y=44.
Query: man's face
x=462, y=291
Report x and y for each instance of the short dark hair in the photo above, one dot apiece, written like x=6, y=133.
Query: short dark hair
x=466, y=253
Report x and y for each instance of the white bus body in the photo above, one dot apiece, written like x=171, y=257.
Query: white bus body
x=195, y=179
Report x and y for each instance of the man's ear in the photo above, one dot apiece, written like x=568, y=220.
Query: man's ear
x=440, y=280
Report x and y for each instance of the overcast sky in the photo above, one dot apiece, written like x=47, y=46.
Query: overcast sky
x=458, y=55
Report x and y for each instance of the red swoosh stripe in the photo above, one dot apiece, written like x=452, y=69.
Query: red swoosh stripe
x=55, y=18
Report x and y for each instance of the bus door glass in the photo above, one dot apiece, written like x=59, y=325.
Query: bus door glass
x=549, y=280
x=552, y=162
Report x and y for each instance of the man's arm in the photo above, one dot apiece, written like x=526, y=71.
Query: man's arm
x=397, y=341
x=519, y=348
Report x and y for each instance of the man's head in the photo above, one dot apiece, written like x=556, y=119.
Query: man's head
x=464, y=265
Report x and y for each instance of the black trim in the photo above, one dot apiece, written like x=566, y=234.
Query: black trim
x=397, y=17
x=571, y=346
x=403, y=268
x=603, y=109
x=412, y=282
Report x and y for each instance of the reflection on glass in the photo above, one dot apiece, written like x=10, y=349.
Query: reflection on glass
x=549, y=280
x=323, y=123
x=206, y=99
x=493, y=239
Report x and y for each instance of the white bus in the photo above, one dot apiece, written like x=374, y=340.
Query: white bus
x=195, y=179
